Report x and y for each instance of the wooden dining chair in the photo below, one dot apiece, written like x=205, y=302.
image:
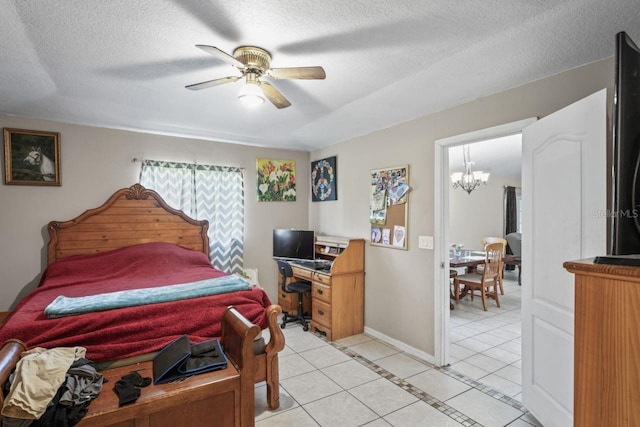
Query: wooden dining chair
x=487, y=240
x=489, y=279
x=452, y=275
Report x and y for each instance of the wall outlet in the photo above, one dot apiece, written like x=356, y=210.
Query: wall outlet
x=425, y=242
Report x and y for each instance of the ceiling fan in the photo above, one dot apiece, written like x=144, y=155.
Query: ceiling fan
x=254, y=62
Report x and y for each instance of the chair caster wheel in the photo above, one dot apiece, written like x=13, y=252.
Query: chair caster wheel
x=283, y=325
x=305, y=328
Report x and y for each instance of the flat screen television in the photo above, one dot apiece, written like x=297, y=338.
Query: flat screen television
x=625, y=178
x=293, y=244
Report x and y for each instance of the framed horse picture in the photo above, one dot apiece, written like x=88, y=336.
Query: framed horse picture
x=31, y=157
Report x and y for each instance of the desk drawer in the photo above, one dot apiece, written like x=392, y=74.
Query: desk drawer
x=322, y=278
x=321, y=312
x=301, y=273
x=321, y=292
x=289, y=302
x=321, y=329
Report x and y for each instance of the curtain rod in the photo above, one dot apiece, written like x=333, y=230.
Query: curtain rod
x=136, y=160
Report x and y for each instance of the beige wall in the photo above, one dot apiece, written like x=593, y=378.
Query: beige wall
x=479, y=214
x=399, y=284
x=96, y=162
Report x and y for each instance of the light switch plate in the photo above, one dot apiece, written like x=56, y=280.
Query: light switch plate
x=425, y=242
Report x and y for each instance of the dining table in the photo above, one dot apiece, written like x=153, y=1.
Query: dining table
x=471, y=260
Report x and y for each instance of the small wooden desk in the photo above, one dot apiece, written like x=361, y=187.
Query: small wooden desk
x=332, y=294
x=337, y=295
x=216, y=394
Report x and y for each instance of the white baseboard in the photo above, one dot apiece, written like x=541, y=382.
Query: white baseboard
x=402, y=346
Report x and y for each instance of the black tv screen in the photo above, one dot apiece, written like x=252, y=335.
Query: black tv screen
x=293, y=244
x=625, y=178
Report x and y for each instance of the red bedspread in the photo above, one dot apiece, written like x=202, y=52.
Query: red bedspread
x=116, y=334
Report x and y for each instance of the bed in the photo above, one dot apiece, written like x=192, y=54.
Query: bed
x=136, y=241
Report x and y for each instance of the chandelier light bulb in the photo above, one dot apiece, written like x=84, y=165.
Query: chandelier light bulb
x=468, y=180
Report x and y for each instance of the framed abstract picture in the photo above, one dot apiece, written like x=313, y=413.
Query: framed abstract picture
x=324, y=180
x=31, y=157
x=276, y=180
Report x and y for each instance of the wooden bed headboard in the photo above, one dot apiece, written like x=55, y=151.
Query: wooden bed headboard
x=131, y=216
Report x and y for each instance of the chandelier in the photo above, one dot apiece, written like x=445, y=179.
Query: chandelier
x=468, y=180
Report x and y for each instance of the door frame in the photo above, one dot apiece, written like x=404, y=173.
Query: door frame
x=441, y=225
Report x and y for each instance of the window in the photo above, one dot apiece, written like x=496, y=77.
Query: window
x=512, y=208
x=214, y=193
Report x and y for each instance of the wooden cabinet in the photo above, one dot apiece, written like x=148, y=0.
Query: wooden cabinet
x=336, y=302
x=214, y=396
x=607, y=344
x=289, y=301
x=337, y=296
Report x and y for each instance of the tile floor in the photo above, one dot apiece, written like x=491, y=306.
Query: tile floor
x=363, y=381
x=486, y=345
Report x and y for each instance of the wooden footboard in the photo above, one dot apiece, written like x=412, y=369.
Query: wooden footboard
x=229, y=392
x=9, y=356
x=267, y=360
x=238, y=335
x=262, y=361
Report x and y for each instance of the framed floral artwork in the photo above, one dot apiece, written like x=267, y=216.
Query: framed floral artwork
x=276, y=180
x=324, y=180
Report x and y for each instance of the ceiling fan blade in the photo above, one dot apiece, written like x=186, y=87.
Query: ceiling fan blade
x=274, y=95
x=212, y=83
x=221, y=55
x=306, y=73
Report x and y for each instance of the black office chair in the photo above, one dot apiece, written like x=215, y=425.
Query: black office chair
x=291, y=288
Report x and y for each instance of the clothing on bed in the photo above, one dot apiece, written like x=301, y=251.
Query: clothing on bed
x=131, y=331
x=71, y=403
x=39, y=374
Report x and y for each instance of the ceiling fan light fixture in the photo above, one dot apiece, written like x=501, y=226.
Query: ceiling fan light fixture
x=253, y=63
x=251, y=95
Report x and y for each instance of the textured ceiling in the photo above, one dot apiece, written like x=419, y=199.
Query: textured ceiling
x=124, y=64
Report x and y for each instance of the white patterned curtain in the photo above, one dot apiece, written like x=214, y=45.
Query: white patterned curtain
x=214, y=193
x=173, y=181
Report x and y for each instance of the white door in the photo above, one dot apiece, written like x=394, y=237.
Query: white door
x=564, y=206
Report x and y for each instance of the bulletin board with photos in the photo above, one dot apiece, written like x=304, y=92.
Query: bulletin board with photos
x=388, y=206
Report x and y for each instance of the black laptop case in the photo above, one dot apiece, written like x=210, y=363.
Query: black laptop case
x=181, y=359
